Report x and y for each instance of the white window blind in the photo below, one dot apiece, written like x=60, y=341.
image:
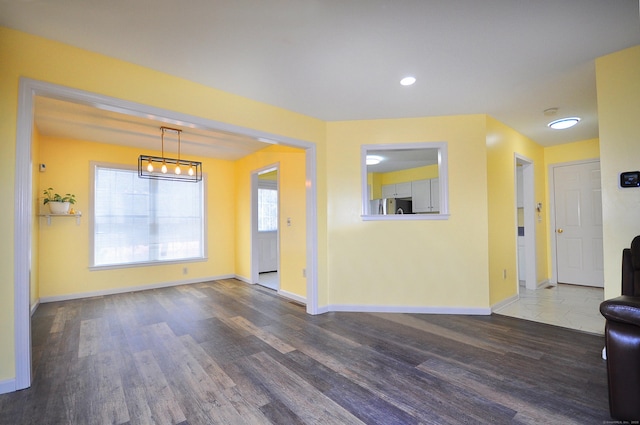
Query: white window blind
x=145, y=221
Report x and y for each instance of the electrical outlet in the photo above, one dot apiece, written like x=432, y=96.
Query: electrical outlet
x=304, y=272
x=185, y=270
x=504, y=273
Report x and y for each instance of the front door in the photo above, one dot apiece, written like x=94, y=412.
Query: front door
x=578, y=224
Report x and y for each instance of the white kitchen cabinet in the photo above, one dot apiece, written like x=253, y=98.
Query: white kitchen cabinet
x=398, y=190
x=425, y=195
x=421, y=195
x=435, y=195
x=388, y=190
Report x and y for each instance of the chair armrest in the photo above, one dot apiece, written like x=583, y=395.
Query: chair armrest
x=624, y=309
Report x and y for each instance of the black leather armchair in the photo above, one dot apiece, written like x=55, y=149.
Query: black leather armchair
x=622, y=339
x=631, y=269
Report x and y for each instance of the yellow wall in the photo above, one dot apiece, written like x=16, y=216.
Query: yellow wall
x=24, y=55
x=502, y=145
x=64, y=254
x=577, y=151
x=411, y=174
x=618, y=85
x=292, y=199
x=410, y=263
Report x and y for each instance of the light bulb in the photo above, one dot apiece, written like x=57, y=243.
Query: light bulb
x=150, y=167
x=191, y=170
x=164, y=168
x=178, y=171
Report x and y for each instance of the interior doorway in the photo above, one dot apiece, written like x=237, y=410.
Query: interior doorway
x=23, y=209
x=526, y=209
x=577, y=223
x=265, y=227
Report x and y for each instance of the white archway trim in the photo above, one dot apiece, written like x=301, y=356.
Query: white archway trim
x=28, y=90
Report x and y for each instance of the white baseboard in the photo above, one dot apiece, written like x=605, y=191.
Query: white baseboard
x=546, y=282
x=243, y=279
x=34, y=307
x=7, y=386
x=476, y=311
x=131, y=289
x=292, y=296
x=505, y=303
x=284, y=294
x=323, y=310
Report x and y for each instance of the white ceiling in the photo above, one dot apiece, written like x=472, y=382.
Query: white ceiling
x=59, y=118
x=402, y=159
x=342, y=60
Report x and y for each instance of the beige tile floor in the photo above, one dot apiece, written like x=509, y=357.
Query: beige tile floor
x=569, y=306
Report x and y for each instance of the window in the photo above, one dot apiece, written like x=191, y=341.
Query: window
x=267, y=206
x=138, y=221
x=405, y=176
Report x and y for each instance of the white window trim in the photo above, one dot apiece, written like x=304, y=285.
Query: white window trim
x=443, y=175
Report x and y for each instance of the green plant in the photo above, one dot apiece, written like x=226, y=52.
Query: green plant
x=50, y=196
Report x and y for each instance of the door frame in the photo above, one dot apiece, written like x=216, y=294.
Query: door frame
x=255, y=264
x=552, y=212
x=23, y=206
x=528, y=199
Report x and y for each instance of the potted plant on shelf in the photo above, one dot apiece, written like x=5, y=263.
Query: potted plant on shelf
x=58, y=204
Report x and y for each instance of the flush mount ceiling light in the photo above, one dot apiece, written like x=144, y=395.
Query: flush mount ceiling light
x=563, y=123
x=162, y=168
x=407, y=81
x=373, y=159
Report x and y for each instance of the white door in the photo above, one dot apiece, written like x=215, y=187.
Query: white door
x=268, y=251
x=578, y=224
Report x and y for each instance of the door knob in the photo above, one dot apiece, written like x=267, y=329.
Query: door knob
x=560, y=230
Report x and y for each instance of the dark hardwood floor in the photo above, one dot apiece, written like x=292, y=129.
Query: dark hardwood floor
x=226, y=352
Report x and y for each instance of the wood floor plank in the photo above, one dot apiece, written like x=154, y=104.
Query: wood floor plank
x=92, y=332
x=361, y=402
x=227, y=352
x=310, y=405
x=209, y=365
x=202, y=400
x=162, y=403
x=267, y=337
x=109, y=405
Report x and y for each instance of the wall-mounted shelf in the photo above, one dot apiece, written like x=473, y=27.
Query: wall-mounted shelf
x=48, y=216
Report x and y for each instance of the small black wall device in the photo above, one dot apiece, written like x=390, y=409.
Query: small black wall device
x=630, y=179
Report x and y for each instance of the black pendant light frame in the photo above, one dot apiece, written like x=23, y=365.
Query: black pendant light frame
x=150, y=167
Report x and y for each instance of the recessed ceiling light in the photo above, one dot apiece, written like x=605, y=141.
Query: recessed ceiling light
x=407, y=81
x=564, y=123
x=373, y=159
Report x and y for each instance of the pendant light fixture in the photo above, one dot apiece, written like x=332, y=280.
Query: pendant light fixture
x=163, y=168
